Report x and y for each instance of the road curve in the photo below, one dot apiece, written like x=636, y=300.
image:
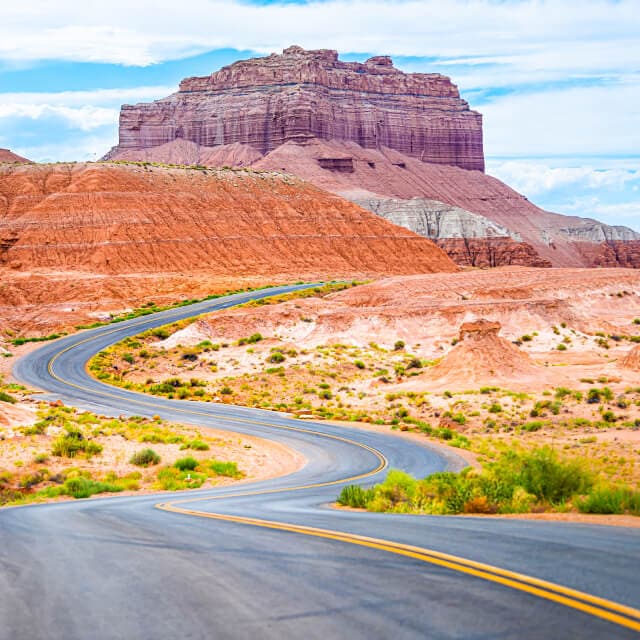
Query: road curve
x=271, y=559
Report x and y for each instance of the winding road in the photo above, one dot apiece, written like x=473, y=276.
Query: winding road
x=272, y=559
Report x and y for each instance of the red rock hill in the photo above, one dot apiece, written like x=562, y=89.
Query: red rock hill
x=107, y=233
x=10, y=157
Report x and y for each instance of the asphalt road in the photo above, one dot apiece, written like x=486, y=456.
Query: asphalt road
x=271, y=559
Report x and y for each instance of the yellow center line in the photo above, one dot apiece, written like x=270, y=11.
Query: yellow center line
x=603, y=608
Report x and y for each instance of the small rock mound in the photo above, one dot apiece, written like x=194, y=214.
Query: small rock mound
x=483, y=357
x=632, y=359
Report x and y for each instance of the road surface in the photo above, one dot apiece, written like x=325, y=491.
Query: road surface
x=272, y=559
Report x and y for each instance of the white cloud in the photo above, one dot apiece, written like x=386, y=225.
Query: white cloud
x=574, y=34
x=87, y=147
x=565, y=121
x=535, y=179
x=621, y=213
x=84, y=110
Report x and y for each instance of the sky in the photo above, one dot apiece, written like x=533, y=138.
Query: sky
x=557, y=81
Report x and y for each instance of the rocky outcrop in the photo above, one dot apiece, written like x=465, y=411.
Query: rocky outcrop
x=468, y=238
x=491, y=252
x=613, y=253
x=434, y=219
x=10, y=157
x=300, y=95
x=481, y=355
x=632, y=359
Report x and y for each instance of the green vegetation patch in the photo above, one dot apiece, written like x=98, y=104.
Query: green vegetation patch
x=518, y=482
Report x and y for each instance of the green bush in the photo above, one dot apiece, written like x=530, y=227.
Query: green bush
x=5, y=397
x=513, y=484
x=196, y=445
x=84, y=487
x=354, y=496
x=186, y=464
x=72, y=443
x=220, y=468
x=276, y=357
x=144, y=458
x=399, y=345
x=607, y=499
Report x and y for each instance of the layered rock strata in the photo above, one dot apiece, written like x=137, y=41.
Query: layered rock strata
x=299, y=95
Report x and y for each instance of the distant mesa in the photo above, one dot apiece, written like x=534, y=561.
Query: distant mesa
x=403, y=145
x=299, y=95
x=7, y=156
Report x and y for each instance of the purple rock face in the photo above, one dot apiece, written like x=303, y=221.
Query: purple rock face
x=266, y=102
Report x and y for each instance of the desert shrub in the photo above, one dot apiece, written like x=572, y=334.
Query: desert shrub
x=72, y=443
x=196, y=445
x=81, y=487
x=543, y=474
x=514, y=483
x=561, y=347
x=186, y=464
x=399, y=345
x=359, y=364
x=172, y=479
x=5, y=397
x=496, y=407
x=534, y=425
x=276, y=357
x=144, y=458
x=222, y=468
x=354, y=496
x=414, y=363
x=596, y=395
x=608, y=499
x=226, y=391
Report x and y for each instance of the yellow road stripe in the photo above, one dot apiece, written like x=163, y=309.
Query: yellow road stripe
x=593, y=605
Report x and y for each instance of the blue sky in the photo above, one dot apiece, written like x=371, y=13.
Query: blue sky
x=558, y=82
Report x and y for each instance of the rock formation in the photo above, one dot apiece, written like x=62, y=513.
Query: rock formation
x=468, y=238
x=10, y=157
x=482, y=356
x=367, y=132
x=177, y=231
x=632, y=359
x=266, y=102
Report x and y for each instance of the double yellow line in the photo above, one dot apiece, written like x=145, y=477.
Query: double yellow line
x=608, y=610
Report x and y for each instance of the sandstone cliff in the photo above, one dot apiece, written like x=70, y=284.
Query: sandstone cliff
x=266, y=102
